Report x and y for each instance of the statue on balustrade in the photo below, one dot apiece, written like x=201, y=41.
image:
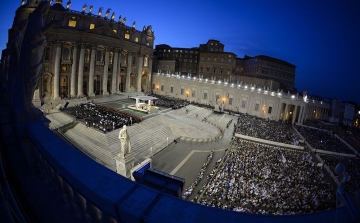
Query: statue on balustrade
x=107, y=13
x=125, y=142
x=68, y=4
x=84, y=8
x=90, y=9
x=31, y=56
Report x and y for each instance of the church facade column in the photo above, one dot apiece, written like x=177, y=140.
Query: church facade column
x=91, y=73
x=148, y=87
x=128, y=72
x=139, y=72
x=73, y=70
x=81, y=71
x=114, y=74
x=106, y=73
x=118, y=71
x=57, y=72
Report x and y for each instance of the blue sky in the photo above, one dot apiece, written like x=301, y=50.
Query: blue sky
x=322, y=38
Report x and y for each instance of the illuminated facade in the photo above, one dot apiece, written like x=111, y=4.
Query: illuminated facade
x=91, y=54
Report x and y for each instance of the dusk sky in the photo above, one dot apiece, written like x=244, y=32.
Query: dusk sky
x=321, y=38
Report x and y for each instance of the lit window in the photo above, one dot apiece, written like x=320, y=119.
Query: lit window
x=72, y=23
x=136, y=39
x=92, y=26
x=127, y=36
x=115, y=31
x=63, y=68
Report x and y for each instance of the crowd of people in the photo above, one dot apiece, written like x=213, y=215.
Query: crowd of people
x=350, y=134
x=100, y=117
x=173, y=103
x=267, y=180
x=323, y=140
x=265, y=129
x=352, y=168
x=190, y=189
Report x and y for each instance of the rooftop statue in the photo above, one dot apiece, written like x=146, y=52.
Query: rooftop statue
x=120, y=20
x=90, y=9
x=124, y=20
x=84, y=8
x=31, y=56
x=125, y=142
x=68, y=4
x=107, y=12
x=113, y=16
x=134, y=24
x=100, y=11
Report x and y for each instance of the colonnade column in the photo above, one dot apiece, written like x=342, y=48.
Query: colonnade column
x=128, y=72
x=81, y=71
x=91, y=73
x=294, y=115
x=301, y=111
x=56, y=72
x=73, y=71
x=285, y=112
x=106, y=72
x=139, y=72
x=114, y=74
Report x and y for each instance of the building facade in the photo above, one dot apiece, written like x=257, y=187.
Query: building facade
x=269, y=104
x=90, y=53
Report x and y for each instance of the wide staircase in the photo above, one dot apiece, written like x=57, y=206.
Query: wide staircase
x=59, y=119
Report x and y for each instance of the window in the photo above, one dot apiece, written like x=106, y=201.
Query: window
x=63, y=68
x=193, y=93
x=72, y=23
x=162, y=87
x=66, y=54
x=47, y=53
x=172, y=89
x=256, y=107
x=92, y=26
x=243, y=104
x=114, y=30
x=127, y=36
x=270, y=109
x=230, y=101
x=182, y=91
x=153, y=86
x=205, y=95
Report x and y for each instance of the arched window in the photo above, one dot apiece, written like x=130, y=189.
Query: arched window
x=99, y=56
x=87, y=56
x=66, y=54
x=111, y=57
x=47, y=53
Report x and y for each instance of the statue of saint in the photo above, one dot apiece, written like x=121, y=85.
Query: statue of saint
x=113, y=16
x=107, y=12
x=68, y=4
x=134, y=24
x=31, y=55
x=84, y=8
x=120, y=20
x=100, y=11
x=90, y=9
x=125, y=142
x=124, y=20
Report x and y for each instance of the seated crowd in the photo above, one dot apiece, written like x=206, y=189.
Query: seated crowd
x=352, y=168
x=173, y=103
x=265, y=129
x=103, y=118
x=349, y=134
x=323, y=140
x=267, y=180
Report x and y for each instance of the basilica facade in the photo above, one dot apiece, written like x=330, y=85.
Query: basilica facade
x=90, y=53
